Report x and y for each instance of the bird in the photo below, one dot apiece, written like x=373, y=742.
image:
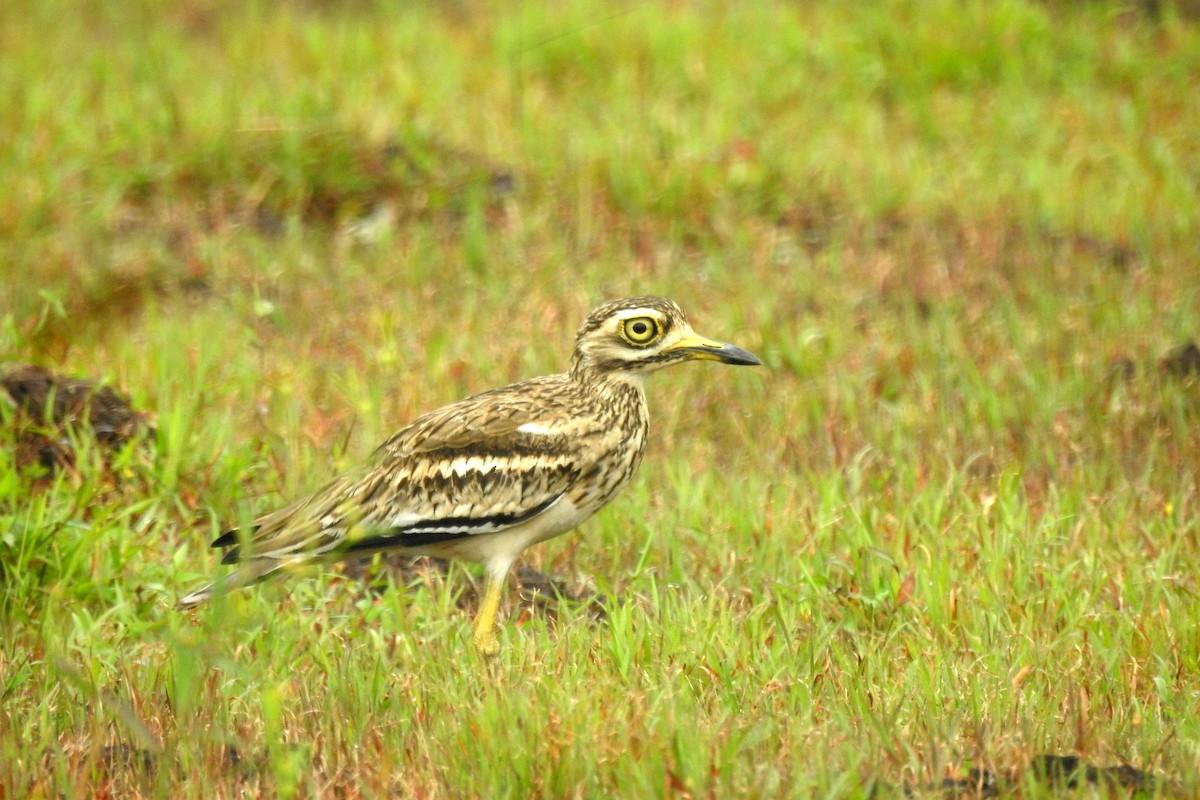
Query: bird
x=486, y=477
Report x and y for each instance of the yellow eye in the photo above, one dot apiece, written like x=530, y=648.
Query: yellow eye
x=641, y=331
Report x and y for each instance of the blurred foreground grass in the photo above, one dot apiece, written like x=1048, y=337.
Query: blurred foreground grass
x=951, y=525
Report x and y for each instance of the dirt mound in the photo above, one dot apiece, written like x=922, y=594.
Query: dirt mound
x=46, y=409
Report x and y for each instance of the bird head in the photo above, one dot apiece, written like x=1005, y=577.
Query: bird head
x=638, y=335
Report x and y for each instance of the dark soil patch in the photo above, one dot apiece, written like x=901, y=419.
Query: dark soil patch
x=45, y=411
x=1056, y=775
x=1182, y=362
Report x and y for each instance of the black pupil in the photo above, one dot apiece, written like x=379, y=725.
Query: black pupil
x=640, y=328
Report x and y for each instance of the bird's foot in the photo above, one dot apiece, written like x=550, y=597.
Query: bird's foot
x=486, y=643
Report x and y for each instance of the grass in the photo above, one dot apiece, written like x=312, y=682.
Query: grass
x=950, y=525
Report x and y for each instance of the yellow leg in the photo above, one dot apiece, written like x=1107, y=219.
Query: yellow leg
x=485, y=621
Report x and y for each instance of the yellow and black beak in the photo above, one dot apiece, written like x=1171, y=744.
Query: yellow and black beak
x=697, y=347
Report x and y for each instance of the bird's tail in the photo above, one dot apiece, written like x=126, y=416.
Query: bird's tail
x=247, y=574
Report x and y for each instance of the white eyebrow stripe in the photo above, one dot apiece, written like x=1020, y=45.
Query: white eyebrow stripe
x=643, y=311
x=536, y=429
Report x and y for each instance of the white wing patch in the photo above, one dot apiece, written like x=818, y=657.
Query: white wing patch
x=461, y=466
x=535, y=429
x=401, y=520
x=460, y=520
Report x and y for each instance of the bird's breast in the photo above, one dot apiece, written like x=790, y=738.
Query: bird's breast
x=615, y=439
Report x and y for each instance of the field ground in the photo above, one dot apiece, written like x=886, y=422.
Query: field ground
x=950, y=526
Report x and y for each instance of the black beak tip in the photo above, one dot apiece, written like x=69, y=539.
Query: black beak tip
x=732, y=354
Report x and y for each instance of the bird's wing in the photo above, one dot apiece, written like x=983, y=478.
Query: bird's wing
x=479, y=466
x=483, y=420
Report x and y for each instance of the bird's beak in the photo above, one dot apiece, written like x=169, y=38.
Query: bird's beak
x=697, y=347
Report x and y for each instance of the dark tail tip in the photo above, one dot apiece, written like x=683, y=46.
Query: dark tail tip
x=225, y=539
x=229, y=539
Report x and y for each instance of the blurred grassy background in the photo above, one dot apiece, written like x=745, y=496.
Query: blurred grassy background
x=951, y=524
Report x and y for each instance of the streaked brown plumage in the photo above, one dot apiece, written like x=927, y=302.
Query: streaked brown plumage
x=488, y=476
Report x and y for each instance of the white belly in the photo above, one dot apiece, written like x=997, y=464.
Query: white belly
x=507, y=544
